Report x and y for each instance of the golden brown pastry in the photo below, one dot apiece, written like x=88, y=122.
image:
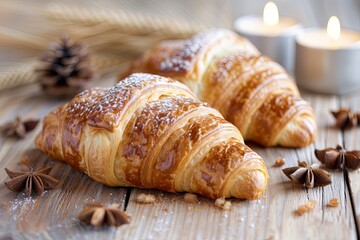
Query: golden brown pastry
x=151, y=132
x=250, y=90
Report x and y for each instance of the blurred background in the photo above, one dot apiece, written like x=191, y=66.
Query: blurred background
x=117, y=31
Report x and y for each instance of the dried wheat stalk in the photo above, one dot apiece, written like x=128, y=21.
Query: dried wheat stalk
x=126, y=21
x=95, y=40
x=102, y=30
x=14, y=37
x=23, y=74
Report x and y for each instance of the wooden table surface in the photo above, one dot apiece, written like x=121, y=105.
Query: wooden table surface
x=53, y=215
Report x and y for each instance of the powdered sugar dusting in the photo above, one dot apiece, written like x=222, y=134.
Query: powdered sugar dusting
x=82, y=105
x=14, y=214
x=183, y=57
x=21, y=202
x=101, y=107
x=107, y=111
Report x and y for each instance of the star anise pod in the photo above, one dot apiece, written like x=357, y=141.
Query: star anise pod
x=31, y=180
x=18, y=127
x=346, y=118
x=311, y=176
x=96, y=214
x=339, y=158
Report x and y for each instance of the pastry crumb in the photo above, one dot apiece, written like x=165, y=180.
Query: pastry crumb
x=191, y=198
x=220, y=201
x=279, y=162
x=145, y=198
x=334, y=202
x=307, y=207
x=223, y=204
x=25, y=161
x=227, y=205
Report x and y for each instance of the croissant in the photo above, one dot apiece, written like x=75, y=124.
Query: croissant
x=250, y=90
x=151, y=132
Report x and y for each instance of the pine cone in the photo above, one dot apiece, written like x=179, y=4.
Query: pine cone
x=67, y=68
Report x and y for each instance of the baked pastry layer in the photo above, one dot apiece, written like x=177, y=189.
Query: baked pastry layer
x=151, y=132
x=249, y=89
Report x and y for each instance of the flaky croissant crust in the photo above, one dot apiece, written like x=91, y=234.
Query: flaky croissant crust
x=151, y=132
x=250, y=90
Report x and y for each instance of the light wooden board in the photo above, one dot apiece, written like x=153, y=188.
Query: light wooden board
x=53, y=215
x=352, y=142
x=270, y=217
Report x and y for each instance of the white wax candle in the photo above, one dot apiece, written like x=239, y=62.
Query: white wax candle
x=273, y=35
x=319, y=38
x=255, y=26
x=327, y=60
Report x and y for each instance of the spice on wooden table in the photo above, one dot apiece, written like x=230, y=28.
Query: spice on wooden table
x=311, y=176
x=339, y=158
x=31, y=180
x=18, y=127
x=345, y=118
x=97, y=214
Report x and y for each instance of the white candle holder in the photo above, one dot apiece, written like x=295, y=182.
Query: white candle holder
x=327, y=70
x=277, y=43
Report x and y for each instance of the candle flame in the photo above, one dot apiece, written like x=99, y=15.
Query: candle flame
x=333, y=28
x=270, y=14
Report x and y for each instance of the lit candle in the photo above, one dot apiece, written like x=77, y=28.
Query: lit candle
x=331, y=38
x=327, y=59
x=274, y=36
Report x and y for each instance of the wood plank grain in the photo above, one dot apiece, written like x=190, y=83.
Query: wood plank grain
x=351, y=142
x=271, y=217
